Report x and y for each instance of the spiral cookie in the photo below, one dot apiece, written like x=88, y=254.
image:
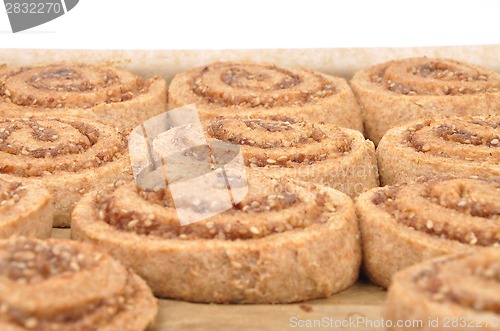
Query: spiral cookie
x=403, y=225
x=25, y=208
x=396, y=92
x=282, y=147
x=65, y=285
x=97, y=92
x=457, y=146
x=456, y=293
x=283, y=243
x=251, y=89
x=67, y=156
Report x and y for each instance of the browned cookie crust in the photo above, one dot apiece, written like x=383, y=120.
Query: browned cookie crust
x=25, y=208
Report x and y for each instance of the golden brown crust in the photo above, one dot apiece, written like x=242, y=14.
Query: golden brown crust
x=456, y=146
x=65, y=285
x=25, y=208
x=282, y=147
x=67, y=156
x=97, y=92
x=456, y=292
x=406, y=224
x=401, y=91
x=251, y=89
x=282, y=243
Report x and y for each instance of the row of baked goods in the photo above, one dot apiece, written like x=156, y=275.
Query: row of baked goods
x=382, y=96
x=64, y=160
x=71, y=157
x=66, y=285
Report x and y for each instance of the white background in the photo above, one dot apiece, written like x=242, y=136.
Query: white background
x=187, y=24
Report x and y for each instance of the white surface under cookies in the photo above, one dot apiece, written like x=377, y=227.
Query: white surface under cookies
x=337, y=61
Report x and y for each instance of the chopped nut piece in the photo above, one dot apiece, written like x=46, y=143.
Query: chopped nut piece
x=426, y=147
x=254, y=230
